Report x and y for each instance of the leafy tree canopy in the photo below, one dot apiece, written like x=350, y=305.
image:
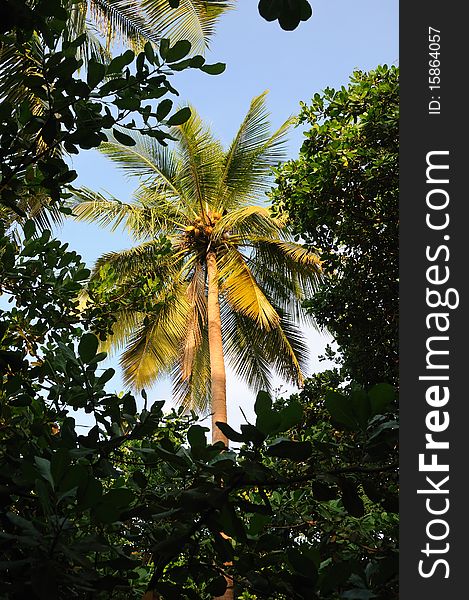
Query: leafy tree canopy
x=341, y=196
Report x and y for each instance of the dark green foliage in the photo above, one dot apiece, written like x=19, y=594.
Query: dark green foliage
x=354, y=483
x=138, y=500
x=342, y=197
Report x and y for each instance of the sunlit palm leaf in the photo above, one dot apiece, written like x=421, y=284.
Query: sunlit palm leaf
x=138, y=20
x=289, y=261
x=147, y=158
x=242, y=291
x=246, y=221
x=141, y=222
x=193, y=20
x=142, y=260
x=244, y=349
x=155, y=346
x=198, y=154
x=197, y=319
x=285, y=348
x=127, y=322
x=252, y=153
x=193, y=392
x=123, y=19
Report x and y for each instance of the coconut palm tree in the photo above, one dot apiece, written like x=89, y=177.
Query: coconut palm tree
x=233, y=283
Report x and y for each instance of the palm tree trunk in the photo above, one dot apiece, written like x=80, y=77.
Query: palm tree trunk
x=217, y=368
x=217, y=362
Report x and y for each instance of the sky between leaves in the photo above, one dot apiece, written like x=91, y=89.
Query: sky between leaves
x=342, y=35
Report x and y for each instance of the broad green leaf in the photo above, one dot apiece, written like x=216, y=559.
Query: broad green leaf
x=291, y=415
x=268, y=421
x=196, y=437
x=149, y=53
x=381, y=397
x=123, y=138
x=341, y=410
x=89, y=492
x=335, y=575
x=178, y=51
x=44, y=468
x=119, y=62
x=164, y=47
x=106, y=376
x=350, y=497
x=197, y=61
x=229, y=432
x=361, y=407
x=43, y=492
x=292, y=450
x=101, y=355
x=302, y=563
x=263, y=404
x=163, y=109
x=230, y=523
x=270, y=9
x=73, y=477
x=180, y=117
x=96, y=73
x=88, y=347
x=215, y=69
x=129, y=406
x=112, y=504
x=253, y=434
x=29, y=229
x=217, y=587
x=322, y=491
x=306, y=11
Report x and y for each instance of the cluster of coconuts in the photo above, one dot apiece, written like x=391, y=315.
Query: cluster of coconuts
x=203, y=227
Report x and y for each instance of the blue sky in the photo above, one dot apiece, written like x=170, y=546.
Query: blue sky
x=341, y=36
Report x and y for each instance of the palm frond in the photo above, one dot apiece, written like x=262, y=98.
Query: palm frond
x=78, y=25
x=252, y=154
x=289, y=260
x=122, y=329
x=136, y=21
x=254, y=353
x=141, y=221
x=196, y=321
x=244, y=349
x=243, y=292
x=289, y=273
x=122, y=20
x=194, y=392
x=143, y=260
x=193, y=20
x=199, y=159
x=147, y=158
x=287, y=351
x=154, y=347
x=13, y=63
x=244, y=222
